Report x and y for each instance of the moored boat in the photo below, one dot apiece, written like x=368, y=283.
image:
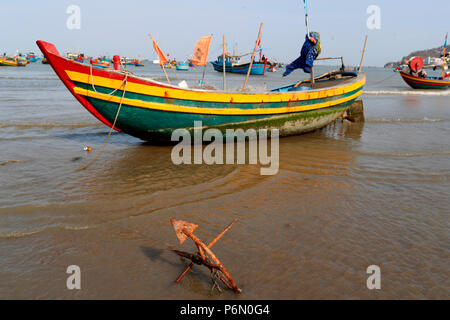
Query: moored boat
x=417, y=82
x=182, y=66
x=99, y=63
x=133, y=62
x=151, y=110
x=232, y=66
x=17, y=61
x=31, y=57
x=416, y=78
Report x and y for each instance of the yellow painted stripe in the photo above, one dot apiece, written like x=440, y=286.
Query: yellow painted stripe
x=197, y=95
x=227, y=111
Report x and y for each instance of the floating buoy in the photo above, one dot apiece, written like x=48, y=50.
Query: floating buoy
x=87, y=148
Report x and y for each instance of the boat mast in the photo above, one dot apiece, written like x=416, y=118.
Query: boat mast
x=223, y=63
x=444, y=59
x=253, y=56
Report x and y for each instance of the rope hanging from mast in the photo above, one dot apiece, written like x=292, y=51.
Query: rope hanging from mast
x=305, y=2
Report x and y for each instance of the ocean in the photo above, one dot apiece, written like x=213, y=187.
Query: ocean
x=346, y=197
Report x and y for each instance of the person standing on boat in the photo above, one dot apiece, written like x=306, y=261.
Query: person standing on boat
x=310, y=51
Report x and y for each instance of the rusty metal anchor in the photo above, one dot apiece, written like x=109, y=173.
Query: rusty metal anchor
x=204, y=256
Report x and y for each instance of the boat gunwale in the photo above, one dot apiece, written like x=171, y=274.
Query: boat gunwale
x=358, y=78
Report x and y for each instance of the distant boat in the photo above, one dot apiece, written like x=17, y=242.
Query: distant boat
x=17, y=61
x=417, y=82
x=182, y=66
x=134, y=62
x=31, y=57
x=272, y=69
x=232, y=65
x=416, y=78
x=80, y=58
x=100, y=63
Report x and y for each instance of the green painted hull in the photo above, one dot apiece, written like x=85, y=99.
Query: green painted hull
x=158, y=126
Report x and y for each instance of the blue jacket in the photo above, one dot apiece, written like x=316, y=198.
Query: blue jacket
x=310, y=51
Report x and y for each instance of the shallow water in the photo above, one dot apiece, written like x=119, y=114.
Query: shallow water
x=345, y=197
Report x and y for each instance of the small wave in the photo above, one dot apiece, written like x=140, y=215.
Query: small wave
x=406, y=155
x=4, y=163
x=409, y=93
x=21, y=234
x=18, y=234
x=29, y=125
x=406, y=120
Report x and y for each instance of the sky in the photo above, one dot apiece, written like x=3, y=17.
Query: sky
x=122, y=27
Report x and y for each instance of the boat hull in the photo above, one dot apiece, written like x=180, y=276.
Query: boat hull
x=425, y=83
x=152, y=111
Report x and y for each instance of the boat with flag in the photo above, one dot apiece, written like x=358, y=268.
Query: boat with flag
x=152, y=110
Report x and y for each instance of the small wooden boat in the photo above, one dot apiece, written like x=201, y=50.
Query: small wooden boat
x=417, y=82
x=100, y=63
x=416, y=78
x=31, y=57
x=232, y=65
x=152, y=110
x=80, y=58
x=134, y=62
x=181, y=66
x=16, y=61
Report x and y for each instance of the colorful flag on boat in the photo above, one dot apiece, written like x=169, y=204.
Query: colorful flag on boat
x=201, y=51
x=162, y=57
x=445, y=45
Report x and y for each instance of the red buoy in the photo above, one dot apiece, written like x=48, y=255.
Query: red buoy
x=116, y=60
x=416, y=64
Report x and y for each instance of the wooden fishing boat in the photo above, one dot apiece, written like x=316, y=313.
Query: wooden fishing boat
x=151, y=110
x=416, y=78
x=181, y=66
x=133, y=62
x=31, y=57
x=100, y=63
x=231, y=65
x=13, y=62
x=416, y=82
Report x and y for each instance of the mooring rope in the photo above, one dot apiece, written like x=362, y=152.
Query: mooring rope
x=124, y=83
x=379, y=82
